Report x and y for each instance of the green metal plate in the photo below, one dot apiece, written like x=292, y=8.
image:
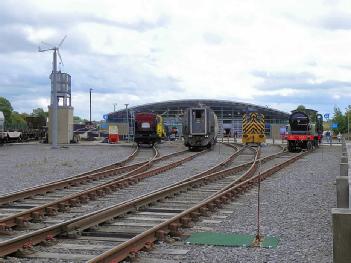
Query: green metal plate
x=230, y=240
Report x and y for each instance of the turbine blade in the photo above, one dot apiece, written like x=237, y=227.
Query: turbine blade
x=62, y=41
x=43, y=50
x=58, y=52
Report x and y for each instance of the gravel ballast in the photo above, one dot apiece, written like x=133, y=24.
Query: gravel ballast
x=296, y=207
x=27, y=165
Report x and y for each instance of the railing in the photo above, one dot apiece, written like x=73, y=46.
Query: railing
x=342, y=181
x=341, y=215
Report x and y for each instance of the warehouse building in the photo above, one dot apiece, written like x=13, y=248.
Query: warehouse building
x=229, y=114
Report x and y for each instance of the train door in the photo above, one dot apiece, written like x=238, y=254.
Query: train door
x=198, y=121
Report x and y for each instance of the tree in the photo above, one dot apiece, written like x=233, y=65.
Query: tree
x=6, y=108
x=340, y=119
x=39, y=112
x=17, y=119
x=301, y=108
x=77, y=119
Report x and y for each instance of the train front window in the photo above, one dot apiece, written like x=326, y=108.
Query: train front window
x=198, y=114
x=145, y=125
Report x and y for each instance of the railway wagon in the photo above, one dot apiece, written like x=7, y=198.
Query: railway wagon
x=253, y=128
x=149, y=128
x=200, y=127
x=302, y=133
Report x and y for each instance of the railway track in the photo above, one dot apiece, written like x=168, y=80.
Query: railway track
x=18, y=195
x=62, y=195
x=140, y=206
x=219, y=166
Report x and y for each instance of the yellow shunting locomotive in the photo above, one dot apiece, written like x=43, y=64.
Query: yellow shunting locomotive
x=253, y=128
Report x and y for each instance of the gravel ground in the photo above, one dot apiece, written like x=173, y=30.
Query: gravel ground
x=198, y=164
x=26, y=165
x=296, y=208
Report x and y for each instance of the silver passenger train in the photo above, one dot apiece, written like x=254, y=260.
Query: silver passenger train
x=200, y=128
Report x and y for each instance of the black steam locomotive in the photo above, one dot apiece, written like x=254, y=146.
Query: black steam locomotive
x=302, y=133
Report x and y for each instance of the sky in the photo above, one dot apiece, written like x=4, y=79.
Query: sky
x=273, y=53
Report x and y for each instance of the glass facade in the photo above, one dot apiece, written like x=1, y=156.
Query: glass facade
x=229, y=113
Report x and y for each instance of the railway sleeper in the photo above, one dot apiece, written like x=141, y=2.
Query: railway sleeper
x=186, y=222
x=204, y=211
x=107, y=190
x=100, y=192
x=212, y=207
x=84, y=199
x=72, y=234
x=74, y=202
x=37, y=216
x=5, y=229
x=92, y=196
x=173, y=227
x=21, y=223
x=148, y=246
x=63, y=207
x=195, y=216
x=218, y=203
x=51, y=211
x=24, y=252
x=161, y=234
x=49, y=241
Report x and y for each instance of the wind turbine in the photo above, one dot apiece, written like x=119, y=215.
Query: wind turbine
x=54, y=102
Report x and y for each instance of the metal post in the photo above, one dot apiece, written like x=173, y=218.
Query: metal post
x=90, y=105
x=222, y=121
x=54, y=102
x=348, y=126
x=127, y=121
x=258, y=237
x=114, y=107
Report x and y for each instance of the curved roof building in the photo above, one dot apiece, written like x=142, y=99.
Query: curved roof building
x=229, y=113
x=223, y=108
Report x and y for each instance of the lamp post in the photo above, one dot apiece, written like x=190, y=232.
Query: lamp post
x=54, y=102
x=127, y=121
x=90, y=104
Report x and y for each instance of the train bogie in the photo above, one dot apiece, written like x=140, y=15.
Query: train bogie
x=200, y=128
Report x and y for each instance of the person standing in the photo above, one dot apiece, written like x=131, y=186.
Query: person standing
x=339, y=136
x=327, y=135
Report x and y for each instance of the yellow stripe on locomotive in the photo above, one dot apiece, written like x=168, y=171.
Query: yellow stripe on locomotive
x=160, y=128
x=253, y=128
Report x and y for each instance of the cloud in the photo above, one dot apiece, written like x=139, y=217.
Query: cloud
x=275, y=53
x=297, y=81
x=336, y=21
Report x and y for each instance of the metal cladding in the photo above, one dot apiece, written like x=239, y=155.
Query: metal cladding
x=253, y=123
x=200, y=127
